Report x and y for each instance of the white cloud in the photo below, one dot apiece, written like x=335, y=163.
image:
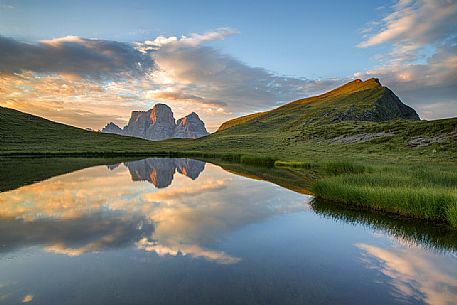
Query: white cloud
x=421, y=66
x=193, y=40
x=416, y=23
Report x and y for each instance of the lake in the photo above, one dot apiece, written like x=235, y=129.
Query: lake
x=182, y=231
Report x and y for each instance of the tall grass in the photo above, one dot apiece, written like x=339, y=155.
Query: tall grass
x=293, y=164
x=451, y=214
x=342, y=167
x=426, y=192
x=258, y=160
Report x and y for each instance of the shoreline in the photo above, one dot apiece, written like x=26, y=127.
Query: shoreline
x=432, y=199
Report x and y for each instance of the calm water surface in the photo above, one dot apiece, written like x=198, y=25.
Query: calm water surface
x=181, y=231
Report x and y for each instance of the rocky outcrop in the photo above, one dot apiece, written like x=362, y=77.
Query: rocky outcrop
x=360, y=137
x=386, y=107
x=422, y=141
x=158, y=124
x=390, y=107
x=190, y=126
x=160, y=171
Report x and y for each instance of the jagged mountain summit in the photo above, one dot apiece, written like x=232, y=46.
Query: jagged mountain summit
x=189, y=125
x=158, y=124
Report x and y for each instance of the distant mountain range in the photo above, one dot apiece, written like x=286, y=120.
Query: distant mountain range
x=158, y=124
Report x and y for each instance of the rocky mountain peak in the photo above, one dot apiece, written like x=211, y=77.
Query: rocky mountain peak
x=374, y=80
x=159, y=123
x=162, y=112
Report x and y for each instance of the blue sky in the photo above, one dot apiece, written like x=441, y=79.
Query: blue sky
x=281, y=49
x=300, y=38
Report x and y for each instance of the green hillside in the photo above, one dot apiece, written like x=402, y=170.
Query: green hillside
x=357, y=100
x=25, y=133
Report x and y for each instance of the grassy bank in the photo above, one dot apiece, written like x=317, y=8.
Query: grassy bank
x=426, y=192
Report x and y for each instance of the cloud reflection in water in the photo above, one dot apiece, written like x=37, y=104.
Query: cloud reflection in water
x=142, y=204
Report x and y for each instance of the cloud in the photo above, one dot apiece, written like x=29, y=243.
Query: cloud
x=68, y=99
x=179, y=95
x=91, y=81
x=421, y=66
x=88, y=82
x=415, y=23
x=73, y=55
x=192, y=40
x=431, y=87
x=203, y=71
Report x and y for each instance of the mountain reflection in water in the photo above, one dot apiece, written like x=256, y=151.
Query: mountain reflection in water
x=160, y=171
x=103, y=208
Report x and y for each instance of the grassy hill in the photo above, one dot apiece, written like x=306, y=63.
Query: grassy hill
x=358, y=120
x=22, y=133
x=357, y=100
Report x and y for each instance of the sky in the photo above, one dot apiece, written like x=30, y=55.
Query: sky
x=86, y=63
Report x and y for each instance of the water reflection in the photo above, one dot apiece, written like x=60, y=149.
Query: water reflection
x=100, y=208
x=414, y=275
x=182, y=231
x=74, y=236
x=435, y=237
x=160, y=171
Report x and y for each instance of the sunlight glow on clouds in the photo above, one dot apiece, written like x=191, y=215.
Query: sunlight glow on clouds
x=90, y=82
x=98, y=81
